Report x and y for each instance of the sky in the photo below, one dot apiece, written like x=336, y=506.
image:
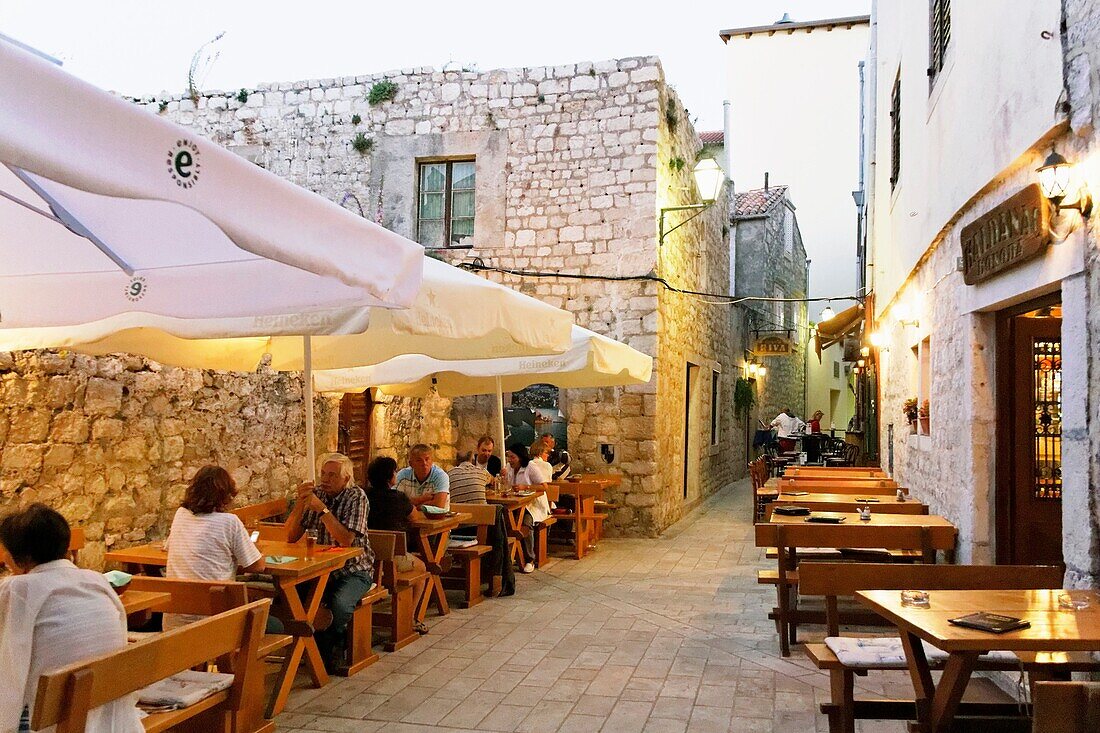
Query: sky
x=144, y=47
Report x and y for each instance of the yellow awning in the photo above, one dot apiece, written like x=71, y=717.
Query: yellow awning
x=837, y=328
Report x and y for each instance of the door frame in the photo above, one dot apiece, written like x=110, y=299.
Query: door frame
x=1004, y=489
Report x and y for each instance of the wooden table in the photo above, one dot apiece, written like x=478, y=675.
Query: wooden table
x=432, y=534
x=586, y=492
x=136, y=601
x=941, y=532
x=514, y=507
x=848, y=502
x=1052, y=630
x=307, y=572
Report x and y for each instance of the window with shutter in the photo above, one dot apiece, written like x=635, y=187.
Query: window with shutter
x=354, y=433
x=895, y=132
x=939, y=36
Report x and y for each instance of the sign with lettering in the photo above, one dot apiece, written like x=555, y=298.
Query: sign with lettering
x=1014, y=232
x=773, y=346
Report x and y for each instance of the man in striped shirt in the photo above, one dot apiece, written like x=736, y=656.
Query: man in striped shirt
x=468, y=480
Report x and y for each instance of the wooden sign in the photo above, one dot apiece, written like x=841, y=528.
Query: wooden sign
x=1014, y=232
x=773, y=346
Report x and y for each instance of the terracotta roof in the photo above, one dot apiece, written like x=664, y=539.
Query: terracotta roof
x=757, y=202
x=712, y=137
x=791, y=27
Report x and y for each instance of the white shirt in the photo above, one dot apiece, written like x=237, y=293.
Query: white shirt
x=538, y=471
x=788, y=426
x=51, y=617
x=206, y=547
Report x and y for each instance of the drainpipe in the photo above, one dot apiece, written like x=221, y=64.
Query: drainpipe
x=727, y=139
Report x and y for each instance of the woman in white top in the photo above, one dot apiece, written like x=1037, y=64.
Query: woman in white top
x=530, y=469
x=206, y=542
x=53, y=614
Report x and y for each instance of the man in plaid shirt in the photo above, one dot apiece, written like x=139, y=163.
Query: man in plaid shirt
x=336, y=508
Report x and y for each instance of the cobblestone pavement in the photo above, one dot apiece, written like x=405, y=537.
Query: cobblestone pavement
x=655, y=636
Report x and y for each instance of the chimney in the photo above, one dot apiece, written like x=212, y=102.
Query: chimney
x=765, y=180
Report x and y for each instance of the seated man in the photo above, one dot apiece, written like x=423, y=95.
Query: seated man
x=559, y=459
x=337, y=510
x=468, y=480
x=484, y=456
x=422, y=481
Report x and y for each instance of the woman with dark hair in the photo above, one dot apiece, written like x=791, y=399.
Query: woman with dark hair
x=53, y=614
x=391, y=510
x=206, y=542
x=519, y=463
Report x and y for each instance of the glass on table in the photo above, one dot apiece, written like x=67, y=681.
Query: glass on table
x=1070, y=601
x=311, y=541
x=915, y=598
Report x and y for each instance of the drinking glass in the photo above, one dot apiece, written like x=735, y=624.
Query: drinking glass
x=1070, y=602
x=915, y=598
x=311, y=541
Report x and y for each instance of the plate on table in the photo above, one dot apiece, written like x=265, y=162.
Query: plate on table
x=525, y=493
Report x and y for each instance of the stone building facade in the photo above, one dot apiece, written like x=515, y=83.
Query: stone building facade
x=769, y=261
x=571, y=167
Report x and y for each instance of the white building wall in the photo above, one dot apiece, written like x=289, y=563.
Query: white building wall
x=795, y=113
x=823, y=389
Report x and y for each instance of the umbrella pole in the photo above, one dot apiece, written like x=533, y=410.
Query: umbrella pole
x=500, y=417
x=311, y=448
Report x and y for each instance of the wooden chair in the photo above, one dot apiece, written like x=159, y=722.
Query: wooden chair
x=76, y=542
x=791, y=537
x=360, y=632
x=210, y=598
x=837, y=581
x=1067, y=707
x=255, y=513
x=65, y=696
x=465, y=574
x=398, y=620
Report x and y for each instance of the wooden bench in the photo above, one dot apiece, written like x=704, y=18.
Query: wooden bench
x=210, y=598
x=790, y=537
x=360, y=633
x=64, y=697
x=1067, y=707
x=834, y=472
x=838, y=486
x=465, y=574
x=256, y=513
x=542, y=529
x=398, y=620
x=835, y=581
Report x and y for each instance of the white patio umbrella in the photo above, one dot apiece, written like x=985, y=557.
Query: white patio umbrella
x=106, y=208
x=591, y=361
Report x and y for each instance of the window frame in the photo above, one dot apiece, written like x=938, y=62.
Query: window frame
x=448, y=193
x=715, y=394
x=895, y=132
x=939, y=38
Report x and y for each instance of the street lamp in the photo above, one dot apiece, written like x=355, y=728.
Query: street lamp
x=827, y=314
x=1055, y=178
x=708, y=177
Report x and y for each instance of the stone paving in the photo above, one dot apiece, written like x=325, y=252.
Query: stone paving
x=650, y=636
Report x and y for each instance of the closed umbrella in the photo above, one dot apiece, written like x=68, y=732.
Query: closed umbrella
x=591, y=361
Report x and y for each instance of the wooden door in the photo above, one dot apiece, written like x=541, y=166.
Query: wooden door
x=355, y=438
x=1029, y=491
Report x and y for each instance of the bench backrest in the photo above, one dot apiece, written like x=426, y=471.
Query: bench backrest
x=908, y=507
x=483, y=514
x=65, y=696
x=804, y=482
x=833, y=580
x=553, y=493
x=252, y=513
x=197, y=597
x=76, y=542
x=790, y=537
x=1067, y=707
x=384, y=544
x=839, y=472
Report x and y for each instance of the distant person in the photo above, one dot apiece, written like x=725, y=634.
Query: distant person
x=206, y=542
x=788, y=427
x=468, y=480
x=485, y=456
x=391, y=510
x=558, y=459
x=53, y=614
x=423, y=481
x=814, y=426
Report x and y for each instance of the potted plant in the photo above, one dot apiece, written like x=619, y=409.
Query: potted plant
x=922, y=414
x=909, y=408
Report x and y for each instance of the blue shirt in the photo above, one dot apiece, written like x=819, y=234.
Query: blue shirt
x=437, y=482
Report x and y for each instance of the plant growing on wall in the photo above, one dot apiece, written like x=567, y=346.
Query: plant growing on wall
x=672, y=117
x=362, y=143
x=356, y=119
x=744, y=397
x=162, y=106
x=676, y=164
x=382, y=91
x=242, y=96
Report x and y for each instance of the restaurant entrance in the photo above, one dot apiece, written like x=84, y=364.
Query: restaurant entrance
x=1029, y=433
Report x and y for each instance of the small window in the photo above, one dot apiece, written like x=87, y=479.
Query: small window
x=714, y=407
x=445, y=215
x=778, y=310
x=939, y=36
x=836, y=370
x=924, y=376
x=788, y=234
x=895, y=132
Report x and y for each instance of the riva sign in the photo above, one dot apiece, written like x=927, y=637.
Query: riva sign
x=773, y=346
x=1014, y=232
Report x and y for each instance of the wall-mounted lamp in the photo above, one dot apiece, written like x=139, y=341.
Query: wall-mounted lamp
x=905, y=315
x=865, y=351
x=827, y=314
x=876, y=339
x=751, y=369
x=861, y=363
x=1056, y=180
x=761, y=371
x=708, y=182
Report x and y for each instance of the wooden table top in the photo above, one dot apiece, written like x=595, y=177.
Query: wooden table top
x=1052, y=629
x=611, y=479
x=435, y=525
x=941, y=531
x=512, y=501
x=135, y=601
x=582, y=488
x=323, y=556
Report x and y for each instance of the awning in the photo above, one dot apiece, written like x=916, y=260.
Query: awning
x=837, y=328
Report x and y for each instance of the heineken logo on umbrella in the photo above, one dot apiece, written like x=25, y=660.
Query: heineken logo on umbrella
x=183, y=163
x=135, y=290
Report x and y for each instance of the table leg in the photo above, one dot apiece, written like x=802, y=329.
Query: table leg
x=303, y=645
x=956, y=675
x=432, y=558
x=515, y=531
x=586, y=505
x=920, y=673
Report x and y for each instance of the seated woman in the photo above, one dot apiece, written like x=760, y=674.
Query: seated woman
x=208, y=543
x=391, y=510
x=528, y=471
x=53, y=614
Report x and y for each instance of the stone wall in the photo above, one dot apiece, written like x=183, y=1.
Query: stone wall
x=572, y=163
x=111, y=442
